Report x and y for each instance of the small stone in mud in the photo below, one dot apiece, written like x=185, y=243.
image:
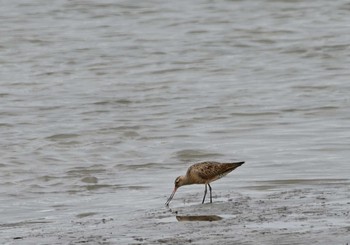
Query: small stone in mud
x=105, y=220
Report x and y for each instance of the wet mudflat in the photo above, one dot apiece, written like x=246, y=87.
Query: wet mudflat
x=287, y=212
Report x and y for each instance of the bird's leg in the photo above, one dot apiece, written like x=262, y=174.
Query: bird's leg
x=210, y=193
x=205, y=193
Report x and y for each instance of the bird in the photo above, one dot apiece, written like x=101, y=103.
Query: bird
x=204, y=173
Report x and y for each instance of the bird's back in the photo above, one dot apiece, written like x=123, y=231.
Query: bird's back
x=206, y=172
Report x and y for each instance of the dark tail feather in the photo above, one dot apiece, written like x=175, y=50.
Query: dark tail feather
x=239, y=163
x=236, y=164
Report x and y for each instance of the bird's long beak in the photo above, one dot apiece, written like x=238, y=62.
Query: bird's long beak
x=171, y=197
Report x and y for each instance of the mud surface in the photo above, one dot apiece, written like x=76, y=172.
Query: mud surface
x=311, y=212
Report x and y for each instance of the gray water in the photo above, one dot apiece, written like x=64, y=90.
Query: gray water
x=104, y=103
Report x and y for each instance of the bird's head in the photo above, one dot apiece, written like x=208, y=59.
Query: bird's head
x=179, y=181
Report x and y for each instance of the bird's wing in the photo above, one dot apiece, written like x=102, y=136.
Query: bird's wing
x=208, y=170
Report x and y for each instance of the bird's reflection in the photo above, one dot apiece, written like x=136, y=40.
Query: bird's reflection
x=198, y=218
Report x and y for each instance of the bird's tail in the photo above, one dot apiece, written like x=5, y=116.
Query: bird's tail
x=236, y=164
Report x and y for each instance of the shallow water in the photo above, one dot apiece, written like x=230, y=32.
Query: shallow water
x=104, y=103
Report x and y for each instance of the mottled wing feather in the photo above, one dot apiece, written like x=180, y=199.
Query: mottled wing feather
x=210, y=171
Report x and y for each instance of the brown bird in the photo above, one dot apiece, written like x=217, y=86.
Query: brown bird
x=203, y=173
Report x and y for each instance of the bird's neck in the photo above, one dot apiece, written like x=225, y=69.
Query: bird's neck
x=185, y=180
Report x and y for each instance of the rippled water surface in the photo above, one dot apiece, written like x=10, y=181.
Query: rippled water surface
x=104, y=103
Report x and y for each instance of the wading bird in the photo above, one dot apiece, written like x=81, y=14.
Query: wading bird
x=203, y=173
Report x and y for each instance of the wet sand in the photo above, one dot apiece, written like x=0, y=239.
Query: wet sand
x=270, y=212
